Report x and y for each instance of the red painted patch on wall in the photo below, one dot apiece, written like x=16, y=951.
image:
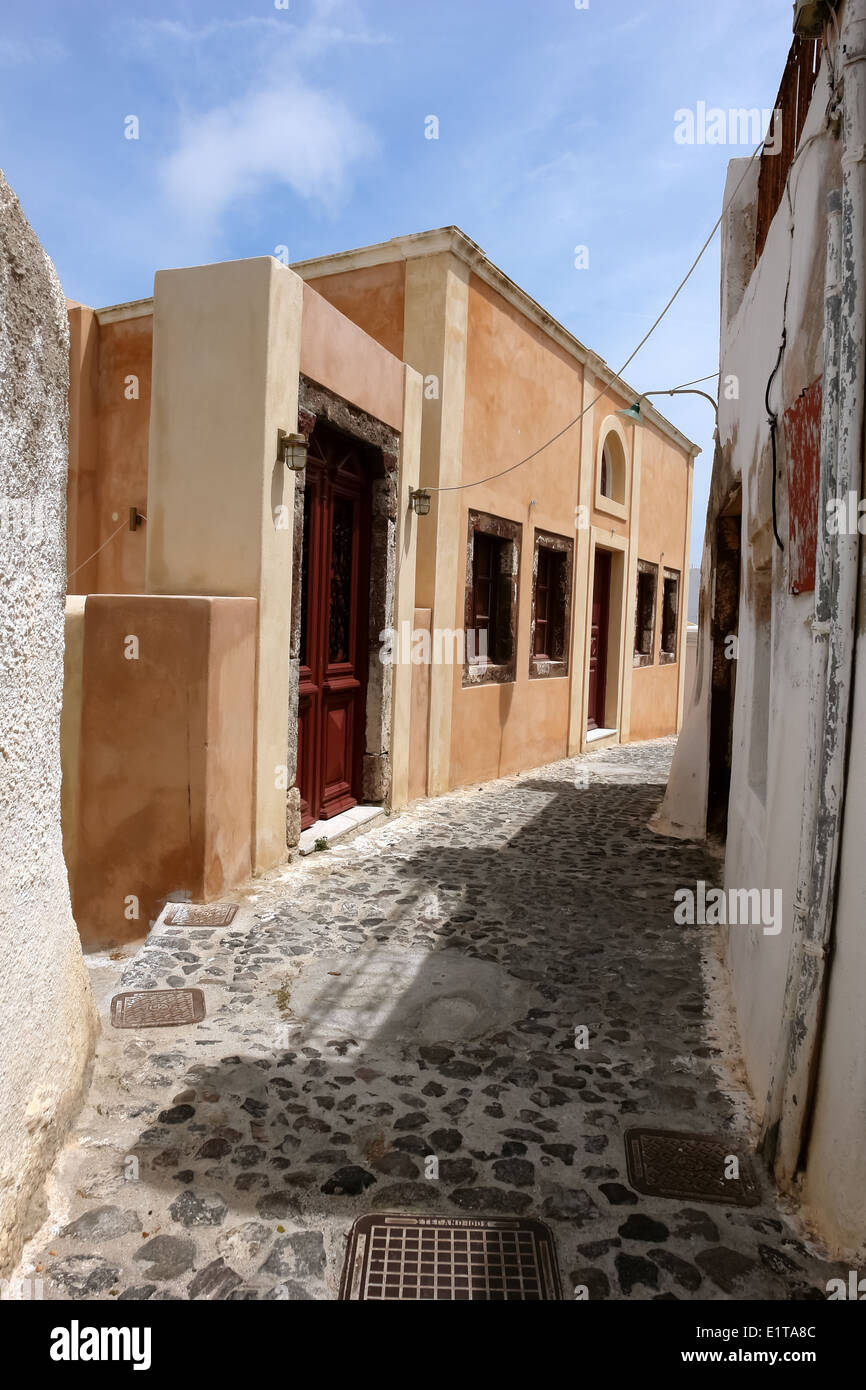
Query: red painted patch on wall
x=803, y=438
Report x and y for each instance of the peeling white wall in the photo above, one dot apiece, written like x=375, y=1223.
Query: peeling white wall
x=47, y=1015
x=771, y=709
x=774, y=625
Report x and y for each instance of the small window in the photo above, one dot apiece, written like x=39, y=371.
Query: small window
x=645, y=613
x=606, y=473
x=670, y=616
x=551, y=605
x=493, y=561
x=486, y=565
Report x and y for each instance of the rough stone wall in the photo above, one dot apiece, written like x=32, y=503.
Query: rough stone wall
x=48, y=1017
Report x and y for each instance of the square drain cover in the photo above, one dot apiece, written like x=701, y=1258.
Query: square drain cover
x=200, y=914
x=410, y=1258
x=157, y=1008
x=666, y=1163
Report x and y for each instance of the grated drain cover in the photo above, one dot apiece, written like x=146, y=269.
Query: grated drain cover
x=667, y=1163
x=410, y=1258
x=157, y=1008
x=200, y=914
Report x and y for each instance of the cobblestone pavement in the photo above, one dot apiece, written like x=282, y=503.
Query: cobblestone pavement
x=415, y=994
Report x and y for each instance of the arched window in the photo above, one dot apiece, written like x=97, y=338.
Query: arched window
x=611, y=479
x=606, y=473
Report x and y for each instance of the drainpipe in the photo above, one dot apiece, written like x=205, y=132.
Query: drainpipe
x=791, y=1094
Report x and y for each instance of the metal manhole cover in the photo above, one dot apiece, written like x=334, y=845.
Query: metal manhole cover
x=667, y=1163
x=157, y=1008
x=200, y=914
x=411, y=1258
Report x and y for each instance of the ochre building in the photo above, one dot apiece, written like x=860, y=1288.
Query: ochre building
x=382, y=621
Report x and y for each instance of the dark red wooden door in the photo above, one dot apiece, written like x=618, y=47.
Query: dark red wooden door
x=334, y=627
x=598, y=639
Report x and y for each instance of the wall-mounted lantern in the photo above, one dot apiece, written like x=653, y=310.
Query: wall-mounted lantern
x=292, y=450
x=420, y=500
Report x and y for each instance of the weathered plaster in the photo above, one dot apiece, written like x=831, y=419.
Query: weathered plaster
x=771, y=747
x=45, y=999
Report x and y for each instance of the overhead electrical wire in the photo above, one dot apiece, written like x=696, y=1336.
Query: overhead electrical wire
x=72, y=573
x=478, y=482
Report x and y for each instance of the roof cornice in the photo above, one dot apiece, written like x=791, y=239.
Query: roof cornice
x=133, y=309
x=457, y=243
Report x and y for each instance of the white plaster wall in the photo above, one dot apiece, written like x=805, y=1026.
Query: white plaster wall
x=835, y=1186
x=46, y=1010
x=764, y=824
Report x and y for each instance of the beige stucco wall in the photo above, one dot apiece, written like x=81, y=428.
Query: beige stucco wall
x=45, y=1000
x=403, y=705
x=664, y=539
x=226, y=359
x=497, y=383
x=166, y=740
x=373, y=297
x=517, y=385
x=228, y=342
x=434, y=344
x=109, y=424
x=337, y=354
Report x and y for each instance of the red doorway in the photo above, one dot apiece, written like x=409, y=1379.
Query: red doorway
x=598, y=640
x=334, y=626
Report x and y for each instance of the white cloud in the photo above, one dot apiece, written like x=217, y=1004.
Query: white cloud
x=304, y=139
x=17, y=52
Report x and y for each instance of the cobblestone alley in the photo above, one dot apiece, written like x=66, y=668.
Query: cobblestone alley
x=413, y=994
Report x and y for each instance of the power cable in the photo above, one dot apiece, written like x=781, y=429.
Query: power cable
x=478, y=482
x=73, y=573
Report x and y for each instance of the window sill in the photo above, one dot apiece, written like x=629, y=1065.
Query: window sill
x=488, y=674
x=610, y=506
x=667, y=658
x=593, y=735
x=540, y=670
x=641, y=660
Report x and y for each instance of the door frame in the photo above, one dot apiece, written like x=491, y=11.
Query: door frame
x=592, y=722
x=380, y=447
x=333, y=682
x=618, y=626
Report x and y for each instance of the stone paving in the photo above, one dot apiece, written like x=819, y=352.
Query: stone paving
x=414, y=995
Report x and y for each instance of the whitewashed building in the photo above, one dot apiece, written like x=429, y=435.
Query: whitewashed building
x=772, y=757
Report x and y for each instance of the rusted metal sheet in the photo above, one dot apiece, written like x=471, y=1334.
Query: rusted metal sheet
x=795, y=94
x=803, y=440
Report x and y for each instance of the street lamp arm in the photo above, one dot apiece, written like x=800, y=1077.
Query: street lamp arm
x=683, y=391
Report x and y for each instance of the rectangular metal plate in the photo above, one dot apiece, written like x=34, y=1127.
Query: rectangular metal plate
x=157, y=1008
x=668, y=1163
x=454, y=1259
x=200, y=914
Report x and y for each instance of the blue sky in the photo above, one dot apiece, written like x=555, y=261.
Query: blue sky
x=304, y=127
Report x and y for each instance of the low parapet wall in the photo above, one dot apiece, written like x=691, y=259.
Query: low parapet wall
x=162, y=796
